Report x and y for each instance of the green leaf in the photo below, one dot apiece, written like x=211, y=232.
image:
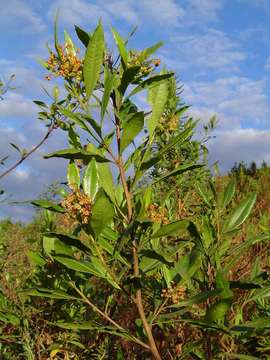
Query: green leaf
x=204, y=193
x=45, y=204
x=73, y=176
x=56, y=44
x=94, y=125
x=48, y=293
x=128, y=77
x=70, y=48
x=102, y=213
x=149, y=51
x=108, y=87
x=82, y=35
x=238, y=250
x=174, y=228
x=259, y=294
x=16, y=147
x=90, y=180
x=93, y=60
x=179, y=170
x=240, y=214
x=95, y=267
x=36, y=259
x=74, y=154
x=77, y=265
x=197, y=299
x=218, y=310
x=151, y=82
x=260, y=323
x=77, y=118
x=131, y=129
x=228, y=194
x=52, y=245
x=106, y=180
x=70, y=240
x=121, y=46
x=157, y=97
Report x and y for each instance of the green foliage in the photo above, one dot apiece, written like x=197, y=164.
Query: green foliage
x=141, y=255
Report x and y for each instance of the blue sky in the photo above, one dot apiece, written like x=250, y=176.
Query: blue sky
x=219, y=48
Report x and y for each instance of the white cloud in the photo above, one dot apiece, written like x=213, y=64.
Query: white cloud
x=240, y=145
x=73, y=12
x=167, y=13
x=204, y=10
x=211, y=50
x=17, y=107
x=234, y=99
x=77, y=12
x=19, y=16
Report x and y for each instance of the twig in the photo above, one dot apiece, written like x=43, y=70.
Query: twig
x=136, y=271
x=25, y=156
x=106, y=317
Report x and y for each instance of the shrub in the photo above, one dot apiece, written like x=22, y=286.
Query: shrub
x=146, y=265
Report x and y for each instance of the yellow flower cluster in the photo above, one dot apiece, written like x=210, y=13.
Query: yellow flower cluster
x=146, y=66
x=78, y=206
x=168, y=124
x=174, y=293
x=65, y=64
x=157, y=214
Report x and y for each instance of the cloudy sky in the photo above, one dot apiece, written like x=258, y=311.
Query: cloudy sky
x=219, y=48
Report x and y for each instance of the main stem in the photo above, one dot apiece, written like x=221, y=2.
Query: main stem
x=136, y=271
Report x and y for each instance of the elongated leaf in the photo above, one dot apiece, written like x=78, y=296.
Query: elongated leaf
x=73, y=176
x=157, y=98
x=238, y=250
x=121, y=46
x=204, y=193
x=70, y=48
x=150, y=82
x=179, y=170
x=48, y=293
x=56, y=43
x=228, y=194
x=109, y=79
x=197, y=299
x=149, y=51
x=36, y=259
x=102, y=213
x=90, y=180
x=88, y=325
x=70, y=240
x=128, y=77
x=260, y=294
x=82, y=35
x=240, y=214
x=106, y=180
x=260, y=323
x=77, y=118
x=174, y=228
x=131, y=129
x=93, y=60
x=77, y=265
x=94, y=125
x=73, y=154
x=45, y=204
x=95, y=267
x=16, y=147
